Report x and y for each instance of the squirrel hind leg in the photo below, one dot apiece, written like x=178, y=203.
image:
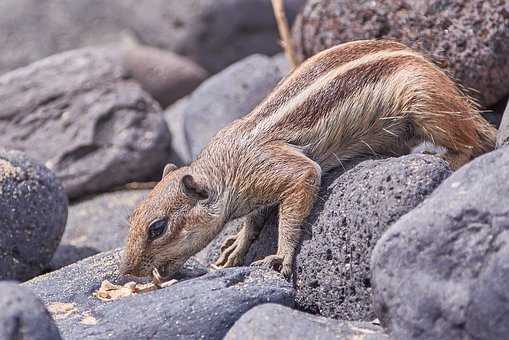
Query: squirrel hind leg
x=445, y=147
x=456, y=159
x=456, y=136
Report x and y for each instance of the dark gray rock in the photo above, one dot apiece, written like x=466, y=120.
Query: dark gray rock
x=503, y=130
x=271, y=321
x=214, y=33
x=95, y=225
x=75, y=113
x=165, y=75
x=352, y=212
x=226, y=97
x=468, y=37
x=23, y=316
x=441, y=271
x=33, y=211
x=494, y=113
x=333, y=277
x=200, y=307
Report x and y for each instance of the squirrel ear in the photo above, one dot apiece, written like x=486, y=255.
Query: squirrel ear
x=192, y=189
x=168, y=168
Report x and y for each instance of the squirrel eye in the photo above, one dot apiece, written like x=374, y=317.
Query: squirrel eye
x=157, y=228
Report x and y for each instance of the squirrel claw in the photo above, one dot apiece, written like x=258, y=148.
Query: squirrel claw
x=227, y=243
x=271, y=261
x=277, y=263
x=214, y=267
x=233, y=251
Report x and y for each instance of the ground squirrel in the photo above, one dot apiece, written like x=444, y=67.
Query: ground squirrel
x=357, y=99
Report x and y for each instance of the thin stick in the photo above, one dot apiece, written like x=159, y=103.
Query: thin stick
x=135, y=186
x=284, y=32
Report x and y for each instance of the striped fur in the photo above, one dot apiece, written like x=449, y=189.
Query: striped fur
x=378, y=93
x=354, y=100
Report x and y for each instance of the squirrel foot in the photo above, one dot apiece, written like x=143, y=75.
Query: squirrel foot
x=233, y=251
x=283, y=264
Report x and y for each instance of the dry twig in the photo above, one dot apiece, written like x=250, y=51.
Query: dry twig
x=284, y=32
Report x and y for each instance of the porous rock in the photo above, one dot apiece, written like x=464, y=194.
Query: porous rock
x=213, y=33
x=441, y=271
x=23, y=316
x=33, y=211
x=165, y=75
x=197, y=307
x=353, y=210
x=77, y=114
x=271, y=321
x=503, y=130
x=469, y=37
x=95, y=225
x=227, y=96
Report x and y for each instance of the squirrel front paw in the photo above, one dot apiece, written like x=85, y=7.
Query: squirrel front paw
x=233, y=251
x=283, y=264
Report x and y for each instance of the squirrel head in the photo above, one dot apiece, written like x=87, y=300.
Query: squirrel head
x=179, y=217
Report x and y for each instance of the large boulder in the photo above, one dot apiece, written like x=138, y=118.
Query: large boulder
x=194, y=308
x=23, y=316
x=469, y=37
x=227, y=96
x=354, y=208
x=214, y=33
x=77, y=114
x=95, y=225
x=175, y=116
x=33, y=211
x=441, y=271
x=166, y=76
x=271, y=321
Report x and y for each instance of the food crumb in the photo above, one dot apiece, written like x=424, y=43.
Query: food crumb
x=109, y=291
x=88, y=320
x=61, y=310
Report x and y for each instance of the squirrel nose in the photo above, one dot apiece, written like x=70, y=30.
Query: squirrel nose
x=127, y=268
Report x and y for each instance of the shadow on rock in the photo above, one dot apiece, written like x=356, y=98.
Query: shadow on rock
x=201, y=305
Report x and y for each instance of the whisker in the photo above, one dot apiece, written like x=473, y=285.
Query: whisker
x=340, y=162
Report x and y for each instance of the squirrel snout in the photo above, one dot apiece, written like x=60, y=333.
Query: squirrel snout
x=128, y=268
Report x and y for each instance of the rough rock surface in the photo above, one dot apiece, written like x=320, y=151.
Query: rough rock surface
x=23, y=316
x=165, y=75
x=200, y=307
x=226, y=97
x=271, y=321
x=214, y=33
x=467, y=36
x=441, y=271
x=76, y=113
x=33, y=211
x=503, y=130
x=354, y=209
x=95, y=225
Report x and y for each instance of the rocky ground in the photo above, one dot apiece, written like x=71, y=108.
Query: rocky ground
x=98, y=95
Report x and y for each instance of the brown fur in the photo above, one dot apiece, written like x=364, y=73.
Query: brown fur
x=356, y=99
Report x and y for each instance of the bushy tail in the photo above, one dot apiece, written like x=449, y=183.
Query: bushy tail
x=487, y=137
x=453, y=120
